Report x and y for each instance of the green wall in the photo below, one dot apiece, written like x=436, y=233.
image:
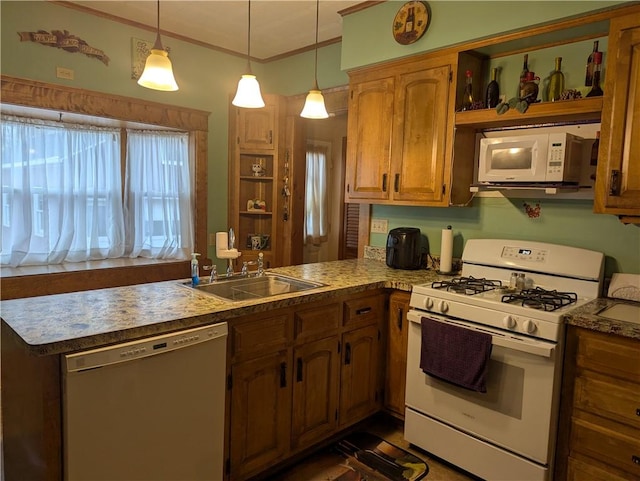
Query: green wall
x=207, y=78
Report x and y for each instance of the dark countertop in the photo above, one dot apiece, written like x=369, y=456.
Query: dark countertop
x=64, y=323
x=587, y=317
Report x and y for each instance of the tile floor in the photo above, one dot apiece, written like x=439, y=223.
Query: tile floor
x=390, y=430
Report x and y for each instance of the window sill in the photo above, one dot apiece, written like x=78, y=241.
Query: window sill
x=30, y=281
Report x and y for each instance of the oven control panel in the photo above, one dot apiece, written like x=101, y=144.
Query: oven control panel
x=524, y=254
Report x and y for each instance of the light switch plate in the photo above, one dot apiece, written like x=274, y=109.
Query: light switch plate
x=379, y=226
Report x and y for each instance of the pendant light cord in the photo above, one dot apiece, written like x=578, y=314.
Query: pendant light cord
x=158, y=43
x=249, y=40
x=315, y=73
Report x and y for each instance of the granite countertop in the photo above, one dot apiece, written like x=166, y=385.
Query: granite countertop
x=75, y=321
x=586, y=316
x=64, y=323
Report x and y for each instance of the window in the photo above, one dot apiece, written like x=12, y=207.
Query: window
x=62, y=194
x=316, y=225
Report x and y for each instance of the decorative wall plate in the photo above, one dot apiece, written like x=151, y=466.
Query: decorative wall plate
x=411, y=22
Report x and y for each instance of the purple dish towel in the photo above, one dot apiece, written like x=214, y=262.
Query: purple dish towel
x=455, y=354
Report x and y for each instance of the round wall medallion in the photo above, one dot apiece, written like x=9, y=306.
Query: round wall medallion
x=411, y=22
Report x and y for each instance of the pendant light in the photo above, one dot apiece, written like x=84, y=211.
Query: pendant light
x=314, y=105
x=158, y=73
x=248, y=94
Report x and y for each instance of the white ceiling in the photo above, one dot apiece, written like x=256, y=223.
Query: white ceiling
x=277, y=27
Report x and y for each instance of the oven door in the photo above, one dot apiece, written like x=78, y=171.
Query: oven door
x=519, y=410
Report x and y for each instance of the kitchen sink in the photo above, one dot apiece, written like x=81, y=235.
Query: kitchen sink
x=257, y=287
x=622, y=312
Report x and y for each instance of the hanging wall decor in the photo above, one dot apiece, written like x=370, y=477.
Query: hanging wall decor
x=411, y=22
x=64, y=40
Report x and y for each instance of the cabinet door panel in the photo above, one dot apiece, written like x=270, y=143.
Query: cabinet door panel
x=256, y=127
x=418, y=150
x=359, y=374
x=369, y=133
x=396, y=353
x=618, y=175
x=315, y=391
x=260, y=414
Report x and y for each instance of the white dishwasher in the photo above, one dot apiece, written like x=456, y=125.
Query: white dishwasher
x=148, y=410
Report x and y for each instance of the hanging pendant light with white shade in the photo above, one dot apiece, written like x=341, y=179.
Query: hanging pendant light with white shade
x=314, y=104
x=248, y=94
x=158, y=73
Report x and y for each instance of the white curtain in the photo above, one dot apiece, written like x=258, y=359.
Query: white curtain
x=316, y=224
x=158, y=204
x=61, y=193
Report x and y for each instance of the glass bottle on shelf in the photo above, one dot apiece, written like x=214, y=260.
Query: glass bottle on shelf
x=467, y=98
x=556, y=82
x=492, y=96
x=588, y=79
x=596, y=90
x=523, y=75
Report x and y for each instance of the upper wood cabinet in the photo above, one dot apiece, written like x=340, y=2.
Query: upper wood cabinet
x=400, y=132
x=257, y=127
x=618, y=173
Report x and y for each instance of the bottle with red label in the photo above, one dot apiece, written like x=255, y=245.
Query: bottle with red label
x=596, y=90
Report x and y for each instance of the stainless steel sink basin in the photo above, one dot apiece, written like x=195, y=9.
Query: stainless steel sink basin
x=247, y=288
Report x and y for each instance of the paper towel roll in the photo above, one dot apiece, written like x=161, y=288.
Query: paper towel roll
x=446, y=250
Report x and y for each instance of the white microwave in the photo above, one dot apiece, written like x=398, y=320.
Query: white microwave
x=551, y=157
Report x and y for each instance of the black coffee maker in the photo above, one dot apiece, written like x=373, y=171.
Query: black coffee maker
x=404, y=248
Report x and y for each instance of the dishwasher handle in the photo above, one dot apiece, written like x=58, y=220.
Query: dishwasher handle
x=149, y=346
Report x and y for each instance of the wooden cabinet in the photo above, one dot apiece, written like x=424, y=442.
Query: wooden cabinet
x=254, y=170
x=601, y=437
x=299, y=374
x=396, y=369
x=400, y=126
x=618, y=173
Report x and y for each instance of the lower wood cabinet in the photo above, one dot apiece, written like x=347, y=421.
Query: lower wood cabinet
x=600, y=414
x=299, y=374
x=396, y=369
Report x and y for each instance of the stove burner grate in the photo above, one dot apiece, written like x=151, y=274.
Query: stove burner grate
x=467, y=285
x=542, y=299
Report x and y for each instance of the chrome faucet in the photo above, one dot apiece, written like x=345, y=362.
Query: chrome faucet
x=214, y=274
x=259, y=262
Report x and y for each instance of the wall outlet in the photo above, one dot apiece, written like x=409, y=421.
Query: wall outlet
x=379, y=226
x=65, y=73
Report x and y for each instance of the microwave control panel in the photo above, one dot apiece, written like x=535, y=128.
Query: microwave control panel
x=524, y=254
x=556, y=157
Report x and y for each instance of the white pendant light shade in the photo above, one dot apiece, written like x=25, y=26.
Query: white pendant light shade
x=248, y=94
x=158, y=73
x=314, y=106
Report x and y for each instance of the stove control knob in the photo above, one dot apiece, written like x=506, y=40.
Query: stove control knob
x=509, y=322
x=443, y=306
x=530, y=326
x=428, y=303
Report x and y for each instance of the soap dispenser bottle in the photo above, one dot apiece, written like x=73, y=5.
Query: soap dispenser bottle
x=195, y=269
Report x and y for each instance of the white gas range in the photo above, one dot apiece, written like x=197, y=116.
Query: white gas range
x=508, y=432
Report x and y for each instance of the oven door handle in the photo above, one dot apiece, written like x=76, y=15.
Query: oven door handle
x=537, y=348
x=542, y=350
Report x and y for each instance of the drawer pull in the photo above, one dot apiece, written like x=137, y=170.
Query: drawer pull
x=635, y=459
x=364, y=310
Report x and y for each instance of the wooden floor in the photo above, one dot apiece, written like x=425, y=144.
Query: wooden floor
x=390, y=430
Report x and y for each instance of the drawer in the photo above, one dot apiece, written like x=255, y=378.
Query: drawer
x=582, y=471
x=619, y=402
x=609, y=354
x=317, y=322
x=363, y=311
x=259, y=335
x=609, y=444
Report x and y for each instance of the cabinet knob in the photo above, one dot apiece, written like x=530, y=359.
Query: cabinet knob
x=637, y=411
x=635, y=459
